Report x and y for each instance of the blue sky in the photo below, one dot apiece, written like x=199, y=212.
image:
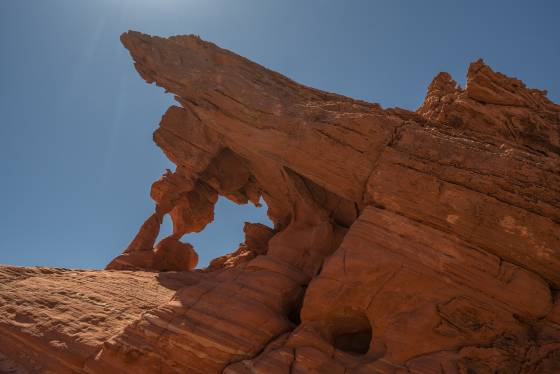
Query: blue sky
x=76, y=155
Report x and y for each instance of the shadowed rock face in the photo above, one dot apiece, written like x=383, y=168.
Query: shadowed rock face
x=403, y=242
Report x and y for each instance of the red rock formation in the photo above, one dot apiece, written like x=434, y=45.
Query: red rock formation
x=403, y=242
x=257, y=237
x=54, y=320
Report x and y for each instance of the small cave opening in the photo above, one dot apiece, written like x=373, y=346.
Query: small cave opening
x=225, y=233
x=350, y=331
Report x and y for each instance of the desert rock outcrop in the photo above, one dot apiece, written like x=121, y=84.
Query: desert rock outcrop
x=403, y=242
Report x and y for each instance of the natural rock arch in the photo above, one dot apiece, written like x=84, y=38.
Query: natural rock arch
x=437, y=230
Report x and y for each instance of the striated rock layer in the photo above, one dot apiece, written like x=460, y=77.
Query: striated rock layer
x=53, y=320
x=403, y=242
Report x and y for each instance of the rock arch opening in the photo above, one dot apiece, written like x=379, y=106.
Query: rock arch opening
x=226, y=236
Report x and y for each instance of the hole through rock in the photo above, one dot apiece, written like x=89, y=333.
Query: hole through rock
x=225, y=233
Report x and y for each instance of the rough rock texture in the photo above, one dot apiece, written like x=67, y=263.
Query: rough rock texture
x=403, y=242
x=53, y=320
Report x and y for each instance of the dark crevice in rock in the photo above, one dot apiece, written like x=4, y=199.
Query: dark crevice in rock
x=349, y=331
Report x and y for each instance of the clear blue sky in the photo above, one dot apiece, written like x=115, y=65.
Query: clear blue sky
x=76, y=155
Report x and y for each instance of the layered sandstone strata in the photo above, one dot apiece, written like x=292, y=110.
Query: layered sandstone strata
x=421, y=242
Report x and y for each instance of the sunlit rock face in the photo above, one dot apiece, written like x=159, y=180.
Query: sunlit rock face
x=403, y=242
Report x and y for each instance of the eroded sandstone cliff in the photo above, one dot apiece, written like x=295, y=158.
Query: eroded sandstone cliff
x=403, y=242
